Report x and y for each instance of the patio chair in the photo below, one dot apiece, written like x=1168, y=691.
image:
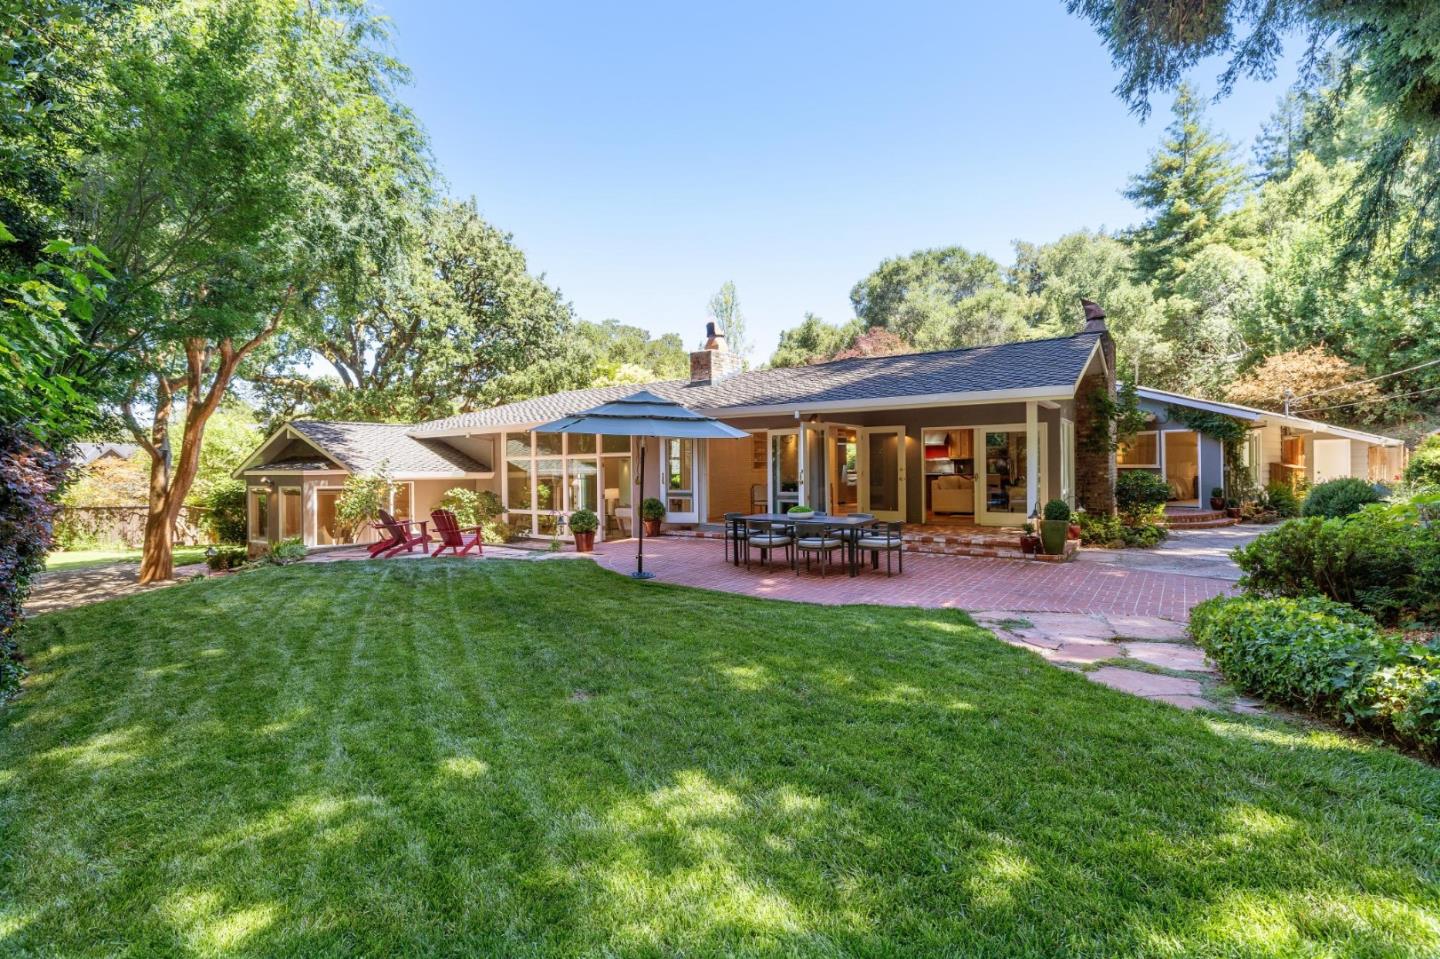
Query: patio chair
x=402, y=535
x=452, y=535
x=766, y=537
x=812, y=538
x=887, y=538
x=735, y=534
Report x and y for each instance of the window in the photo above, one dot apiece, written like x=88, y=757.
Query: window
x=259, y=514
x=328, y=528
x=400, y=501
x=1140, y=451
x=551, y=475
x=677, y=471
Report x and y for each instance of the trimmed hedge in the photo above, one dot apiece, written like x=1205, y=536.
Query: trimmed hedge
x=1326, y=658
x=1340, y=497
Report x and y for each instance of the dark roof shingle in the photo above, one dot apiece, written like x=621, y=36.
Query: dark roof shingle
x=1029, y=364
x=363, y=447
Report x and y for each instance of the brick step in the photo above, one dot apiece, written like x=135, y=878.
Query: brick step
x=1192, y=517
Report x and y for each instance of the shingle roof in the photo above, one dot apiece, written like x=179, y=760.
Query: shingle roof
x=88, y=453
x=1030, y=364
x=362, y=447
x=293, y=465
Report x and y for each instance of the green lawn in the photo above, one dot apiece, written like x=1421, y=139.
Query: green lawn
x=545, y=759
x=80, y=558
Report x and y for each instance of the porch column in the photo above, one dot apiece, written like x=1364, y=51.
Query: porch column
x=801, y=439
x=1032, y=458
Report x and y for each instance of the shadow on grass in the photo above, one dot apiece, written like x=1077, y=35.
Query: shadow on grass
x=547, y=759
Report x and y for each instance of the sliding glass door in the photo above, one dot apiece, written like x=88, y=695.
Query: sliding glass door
x=882, y=471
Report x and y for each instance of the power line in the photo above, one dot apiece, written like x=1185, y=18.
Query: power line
x=1377, y=399
x=1346, y=386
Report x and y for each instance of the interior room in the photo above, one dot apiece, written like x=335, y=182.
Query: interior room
x=949, y=486
x=1182, y=466
x=843, y=452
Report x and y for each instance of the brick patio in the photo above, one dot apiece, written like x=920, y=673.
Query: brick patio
x=933, y=581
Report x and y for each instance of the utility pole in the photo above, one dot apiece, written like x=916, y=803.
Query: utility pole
x=1286, y=397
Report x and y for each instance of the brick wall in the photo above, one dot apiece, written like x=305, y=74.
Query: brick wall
x=1095, y=461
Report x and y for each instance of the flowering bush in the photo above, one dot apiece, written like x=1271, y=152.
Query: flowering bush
x=29, y=477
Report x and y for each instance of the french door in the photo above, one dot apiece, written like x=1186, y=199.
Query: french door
x=882, y=471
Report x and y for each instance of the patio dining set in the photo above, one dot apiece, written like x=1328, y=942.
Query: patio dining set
x=816, y=537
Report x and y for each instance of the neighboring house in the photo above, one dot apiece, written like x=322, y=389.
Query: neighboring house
x=979, y=436
x=1279, y=449
x=88, y=453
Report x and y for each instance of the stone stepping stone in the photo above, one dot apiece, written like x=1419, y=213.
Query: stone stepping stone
x=1151, y=686
x=1169, y=656
x=1147, y=627
x=1082, y=651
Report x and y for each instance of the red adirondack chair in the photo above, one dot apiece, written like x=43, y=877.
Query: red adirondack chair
x=452, y=535
x=401, y=535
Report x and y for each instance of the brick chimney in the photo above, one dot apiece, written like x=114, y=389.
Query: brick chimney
x=714, y=362
x=1095, y=471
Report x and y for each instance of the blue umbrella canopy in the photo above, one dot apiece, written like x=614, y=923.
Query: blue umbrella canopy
x=644, y=414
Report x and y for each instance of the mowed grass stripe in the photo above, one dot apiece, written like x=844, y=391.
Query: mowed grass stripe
x=542, y=759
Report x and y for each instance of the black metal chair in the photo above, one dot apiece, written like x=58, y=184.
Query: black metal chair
x=766, y=537
x=735, y=534
x=811, y=538
x=887, y=538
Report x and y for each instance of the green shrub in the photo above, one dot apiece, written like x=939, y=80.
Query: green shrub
x=472, y=508
x=225, y=556
x=1140, y=495
x=1424, y=466
x=1100, y=529
x=1376, y=560
x=584, y=521
x=362, y=498
x=652, y=509
x=1281, y=500
x=1057, y=509
x=225, y=515
x=1339, y=497
x=286, y=551
x=1327, y=658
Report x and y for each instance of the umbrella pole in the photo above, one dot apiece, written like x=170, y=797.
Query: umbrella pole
x=640, y=525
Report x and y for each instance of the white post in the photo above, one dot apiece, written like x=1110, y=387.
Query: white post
x=1032, y=459
x=800, y=438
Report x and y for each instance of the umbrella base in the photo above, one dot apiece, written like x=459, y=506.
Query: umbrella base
x=646, y=574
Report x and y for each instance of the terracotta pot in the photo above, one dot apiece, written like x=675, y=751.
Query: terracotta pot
x=1217, y=503
x=652, y=527
x=1075, y=531
x=1029, y=543
x=1233, y=512
x=585, y=542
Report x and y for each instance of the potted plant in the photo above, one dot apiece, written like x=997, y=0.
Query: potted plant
x=584, y=523
x=1232, y=508
x=800, y=511
x=1075, y=530
x=652, y=511
x=1055, y=527
x=1217, y=498
x=1029, y=542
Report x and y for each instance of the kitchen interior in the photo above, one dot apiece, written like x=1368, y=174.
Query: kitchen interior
x=949, y=475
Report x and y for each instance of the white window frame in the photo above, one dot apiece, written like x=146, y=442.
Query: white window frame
x=252, y=508
x=984, y=515
x=565, y=456
x=1159, y=454
x=626, y=513
x=280, y=497
x=684, y=516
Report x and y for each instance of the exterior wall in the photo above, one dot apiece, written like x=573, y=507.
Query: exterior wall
x=1212, y=451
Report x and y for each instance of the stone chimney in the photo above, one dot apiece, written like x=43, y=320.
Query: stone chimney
x=1095, y=323
x=714, y=362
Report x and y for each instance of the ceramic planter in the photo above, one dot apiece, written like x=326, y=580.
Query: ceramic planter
x=585, y=542
x=1029, y=543
x=1075, y=531
x=1052, y=535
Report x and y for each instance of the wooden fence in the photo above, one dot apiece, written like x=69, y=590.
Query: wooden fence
x=84, y=526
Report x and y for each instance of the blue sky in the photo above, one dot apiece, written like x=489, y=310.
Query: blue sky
x=642, y=154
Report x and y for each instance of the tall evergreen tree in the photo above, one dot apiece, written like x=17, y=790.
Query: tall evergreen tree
x=1190, y=188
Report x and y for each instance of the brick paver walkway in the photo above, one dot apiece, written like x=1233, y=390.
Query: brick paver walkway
x=933, y=581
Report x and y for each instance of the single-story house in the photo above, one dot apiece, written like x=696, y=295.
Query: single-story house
x=88, y=453
x=1278, y=448
x=971, y=437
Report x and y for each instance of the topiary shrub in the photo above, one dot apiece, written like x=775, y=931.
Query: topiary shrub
x=1340, y=497
x=1327, y=658
x=1424, y=466
x=1057, y=509
x=652, y=509
x=584, y=521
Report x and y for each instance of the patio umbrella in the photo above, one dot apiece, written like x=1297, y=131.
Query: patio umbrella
x=644, y=414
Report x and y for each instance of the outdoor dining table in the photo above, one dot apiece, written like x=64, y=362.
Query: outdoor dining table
x=849, y=525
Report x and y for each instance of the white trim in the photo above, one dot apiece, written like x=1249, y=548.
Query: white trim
x=898, y=403
x=693, y=492
x=1210, y=406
